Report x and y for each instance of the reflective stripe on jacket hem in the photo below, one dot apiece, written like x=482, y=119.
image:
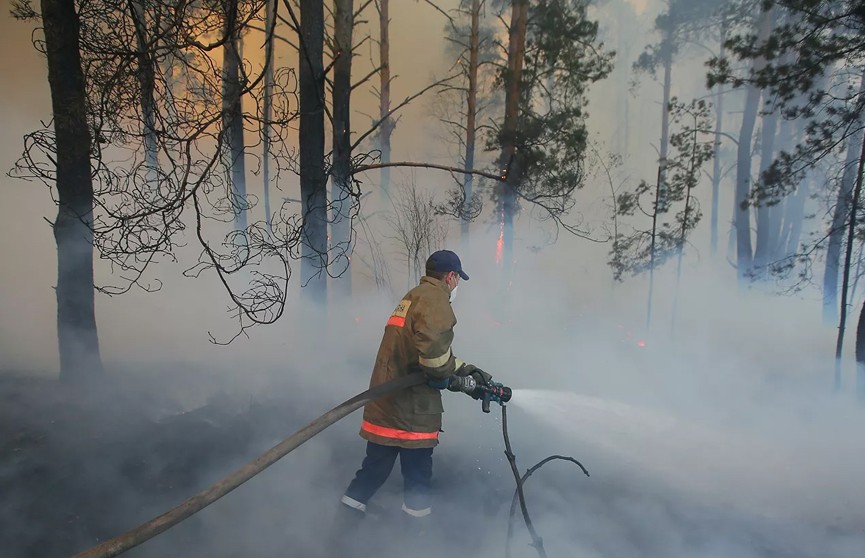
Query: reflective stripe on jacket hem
x=396, y=433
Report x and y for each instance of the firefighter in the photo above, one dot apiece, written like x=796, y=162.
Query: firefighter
x=417, y=336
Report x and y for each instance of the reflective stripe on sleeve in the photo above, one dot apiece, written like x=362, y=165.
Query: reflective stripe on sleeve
x=436, y=362
x=397, y=433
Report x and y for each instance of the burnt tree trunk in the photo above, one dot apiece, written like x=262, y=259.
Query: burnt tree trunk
x=848, y=256
x=661, y=185
x=860, y=354
x=267, y=112
x=716, y=149
x=744, y=253
x=313, y=182
x=387, y=124
x=839, y=216
x=232, y=114
x=471, y=115
x=510, y=127
x=76, y=317
x=341, y=191
x=766, y=208
x=147, y=86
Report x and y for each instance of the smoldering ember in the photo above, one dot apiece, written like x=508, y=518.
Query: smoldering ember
x=590, y=271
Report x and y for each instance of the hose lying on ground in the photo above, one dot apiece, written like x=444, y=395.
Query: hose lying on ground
x=172, y=517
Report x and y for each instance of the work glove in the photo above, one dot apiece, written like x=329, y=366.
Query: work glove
x=438, y=383
x=481, y=377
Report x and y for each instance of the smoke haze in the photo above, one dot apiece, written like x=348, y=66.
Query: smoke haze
x=715, y=434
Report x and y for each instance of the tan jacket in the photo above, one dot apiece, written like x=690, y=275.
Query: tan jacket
x=417, y=336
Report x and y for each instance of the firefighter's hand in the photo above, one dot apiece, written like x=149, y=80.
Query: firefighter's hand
x=481, y=377
x=438, y=383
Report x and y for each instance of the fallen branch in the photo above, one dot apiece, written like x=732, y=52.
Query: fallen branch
x=522, y=482
x=537, y=542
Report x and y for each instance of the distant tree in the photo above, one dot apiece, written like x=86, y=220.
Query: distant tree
x=848, y=258
x=417, y=226
x=233, y=82
x=464, y=102
x=552, y=59
x=810, y=67
x=138, y=210
x=860, y=354
x=386, y=122
x=811, y=64
x=683, y=22
x=267, y=109
x=642, y=250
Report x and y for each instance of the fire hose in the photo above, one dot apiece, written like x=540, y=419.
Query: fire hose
x=163, y=522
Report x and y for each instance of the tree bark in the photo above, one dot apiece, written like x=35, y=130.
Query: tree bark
x=766, y=240
x=744, y=255
x=471, y=115
x=780, y=212
x=794, y=218
x=661, y=186
x=147, y=86
x=341, y=199
x=795, y=210
x=77, y=336
x=232, y=114
x=686, y=215
x=716, y=150
x=509, y=157
x=664, y=147
x=860, y=354
x=267, y=110
x=839, y=216
x=387, y=123
x=851, y=231
x=313, y=183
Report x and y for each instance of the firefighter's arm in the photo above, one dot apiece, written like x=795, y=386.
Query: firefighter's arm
x=433, y=334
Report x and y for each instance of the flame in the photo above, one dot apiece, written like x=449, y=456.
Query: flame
x=641, y=343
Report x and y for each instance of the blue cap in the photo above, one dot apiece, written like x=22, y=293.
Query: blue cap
x=444, y=261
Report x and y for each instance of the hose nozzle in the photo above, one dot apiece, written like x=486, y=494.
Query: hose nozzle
x=495, y=392
x=503, y=393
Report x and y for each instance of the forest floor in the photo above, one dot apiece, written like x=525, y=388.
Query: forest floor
x=79, y=466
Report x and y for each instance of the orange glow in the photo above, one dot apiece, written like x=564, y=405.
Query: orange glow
x=641, y=343
x=501, y=241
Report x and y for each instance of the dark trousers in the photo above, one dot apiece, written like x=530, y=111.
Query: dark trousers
x=416, y=466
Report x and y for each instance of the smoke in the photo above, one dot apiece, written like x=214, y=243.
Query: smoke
x=713, y=434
